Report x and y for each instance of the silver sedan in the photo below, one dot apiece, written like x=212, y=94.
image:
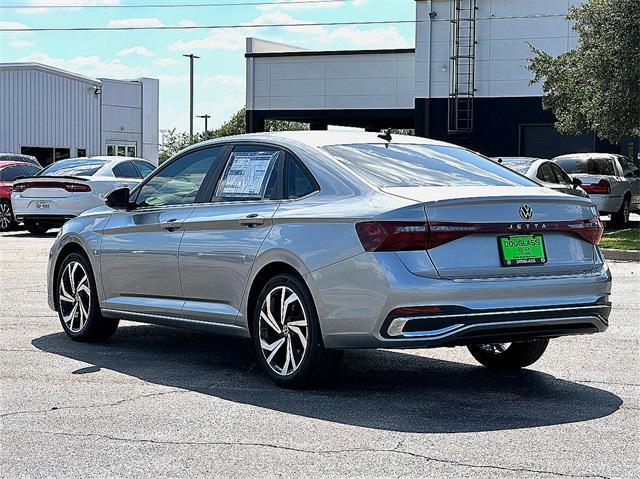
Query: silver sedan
x=313, y=242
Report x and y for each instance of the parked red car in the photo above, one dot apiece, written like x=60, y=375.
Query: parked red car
x=9, y=171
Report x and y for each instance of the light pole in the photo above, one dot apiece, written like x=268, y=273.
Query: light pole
x=206, y=125
x=191, y=57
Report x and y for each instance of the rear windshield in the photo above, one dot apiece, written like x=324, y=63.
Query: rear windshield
x=72, y=168
x=424, y=165
x=587, y=166
x=521, y=166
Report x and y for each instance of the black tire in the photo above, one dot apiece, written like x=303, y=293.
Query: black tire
x=515, y=356
x=315, y=362
x=35, y=228
x=83, y=324
x=6, y=216
x=621, y=218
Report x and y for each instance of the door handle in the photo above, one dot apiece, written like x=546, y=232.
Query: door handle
x=171, y=225
x=254, y=219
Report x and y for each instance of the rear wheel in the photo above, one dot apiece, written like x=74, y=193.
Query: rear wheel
x=77, y=299
x=509, y=355
x=6, y=216
x=35, y=228
x=622, y=216
x=287, y=337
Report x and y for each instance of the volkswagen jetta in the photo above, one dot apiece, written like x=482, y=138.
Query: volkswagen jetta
x=312, y=242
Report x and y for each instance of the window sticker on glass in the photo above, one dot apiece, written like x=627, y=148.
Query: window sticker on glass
x=247, y=174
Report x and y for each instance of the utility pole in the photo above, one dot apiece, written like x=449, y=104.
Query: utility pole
x=191, y=57
x=206, y=125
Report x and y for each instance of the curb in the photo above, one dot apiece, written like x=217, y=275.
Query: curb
x=621, y=254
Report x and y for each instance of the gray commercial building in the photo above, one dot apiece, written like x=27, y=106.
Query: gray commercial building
x=464, y=81
x=54, y=114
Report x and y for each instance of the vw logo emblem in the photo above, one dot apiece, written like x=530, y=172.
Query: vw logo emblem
x=526, y=212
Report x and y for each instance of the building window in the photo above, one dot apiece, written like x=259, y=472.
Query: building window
x=46, y=156
x=82, y=152
x=114, y=149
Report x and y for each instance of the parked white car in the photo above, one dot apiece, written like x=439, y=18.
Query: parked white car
x=612, y=182
x=66, y=188
x=545, y=172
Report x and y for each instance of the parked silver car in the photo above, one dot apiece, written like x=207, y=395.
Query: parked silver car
x=545, y=172
x=312, y=242
x=612, y=182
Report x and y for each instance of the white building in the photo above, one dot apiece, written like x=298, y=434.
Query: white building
x=54, y=114
x=465, y=81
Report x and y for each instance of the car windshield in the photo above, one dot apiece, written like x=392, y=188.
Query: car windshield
x=72, y=168
x=587, y=166
x=424, y=165
x=517, y=164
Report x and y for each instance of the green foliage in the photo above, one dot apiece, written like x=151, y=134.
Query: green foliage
x=596, y=85
x=236, y=125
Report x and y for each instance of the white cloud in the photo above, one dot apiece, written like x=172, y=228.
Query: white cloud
x=382, y=37
x=91, y=66
x=166, y=62
x=234, y=81
x=286, y=5
x=12, y=25
x=42, y=5
x=20, y=44
x=137, y=51
x=135, y=22
x=173, y=79
x=221, y=39
x=187, y=23
x=15, y=40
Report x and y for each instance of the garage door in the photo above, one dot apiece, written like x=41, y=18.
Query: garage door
x=544, y=141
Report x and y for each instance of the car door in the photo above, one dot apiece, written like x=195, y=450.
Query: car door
x=632, y=175
x=139, y=254
x=223, y=235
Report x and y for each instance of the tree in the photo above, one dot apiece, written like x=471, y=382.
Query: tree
x=236, y=125
x=596, y=85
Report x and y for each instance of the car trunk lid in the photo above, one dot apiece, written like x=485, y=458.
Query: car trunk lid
x=51, y=186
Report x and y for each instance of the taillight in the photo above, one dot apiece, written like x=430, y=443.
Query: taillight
x=602, y=187
x=70, y=187
x=414, y=236
x=392, y=235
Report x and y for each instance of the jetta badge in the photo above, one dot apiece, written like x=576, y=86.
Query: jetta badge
x=526, y=212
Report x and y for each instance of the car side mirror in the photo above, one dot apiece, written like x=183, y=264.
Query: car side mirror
x=118, y=199
x=576, y=182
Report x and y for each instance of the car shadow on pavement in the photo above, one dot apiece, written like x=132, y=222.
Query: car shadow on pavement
x=379, y=389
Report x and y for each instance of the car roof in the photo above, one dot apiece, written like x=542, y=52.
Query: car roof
x=321, y=138
x=11, y=162
x=522, y=159
x=107, y=159
x=587, y=156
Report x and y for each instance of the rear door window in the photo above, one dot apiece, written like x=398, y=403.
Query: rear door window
x=251, y=173
x=545, y=173
x=563, y=178
x=125, y=170
x=144, y=168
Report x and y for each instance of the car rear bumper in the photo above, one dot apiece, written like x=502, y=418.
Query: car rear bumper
x=51, y=221
x=68, y=207
x=374, y=301
x=606, y=203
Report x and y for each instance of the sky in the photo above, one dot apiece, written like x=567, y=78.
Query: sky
x=220, y=73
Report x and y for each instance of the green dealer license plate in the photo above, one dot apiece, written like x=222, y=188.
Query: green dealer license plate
x=522, y=250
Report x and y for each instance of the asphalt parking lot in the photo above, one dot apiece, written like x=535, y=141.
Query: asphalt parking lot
x=159, y=402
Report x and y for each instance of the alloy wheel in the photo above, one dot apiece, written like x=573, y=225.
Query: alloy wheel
x=283, y=330
x=495, y=348
x=5, y=216
x=75, y=296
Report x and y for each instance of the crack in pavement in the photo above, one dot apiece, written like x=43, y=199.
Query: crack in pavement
x=92, y=406
x=396, y=450
x=605, y=382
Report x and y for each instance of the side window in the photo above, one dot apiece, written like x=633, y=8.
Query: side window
x=30, y=170
x=125, y=170
x=629, y=170
x=545, y=174
x=251, y=173
x=563, y=178
x=297, y=181
x=178, y=182
x=144, y=168
x=10, y=173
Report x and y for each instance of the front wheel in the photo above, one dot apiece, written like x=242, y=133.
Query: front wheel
x=78, y=306
x=509, y=355
x=6, y=216
x=286, y=334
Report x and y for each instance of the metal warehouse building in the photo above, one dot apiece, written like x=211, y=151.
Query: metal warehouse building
x=54, y=114
x=465, y=81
